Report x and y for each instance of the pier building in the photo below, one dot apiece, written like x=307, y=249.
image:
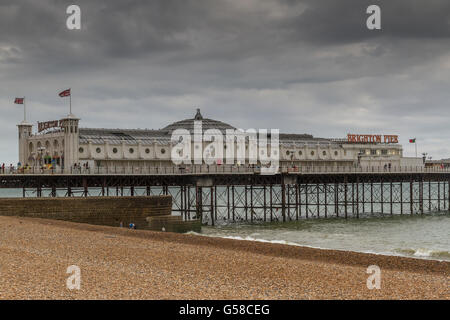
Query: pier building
x=63, y=143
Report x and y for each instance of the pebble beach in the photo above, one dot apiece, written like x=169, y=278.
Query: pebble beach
x=118, y=263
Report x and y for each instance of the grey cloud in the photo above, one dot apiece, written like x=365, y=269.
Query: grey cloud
x=338, y=22
x=301, y=66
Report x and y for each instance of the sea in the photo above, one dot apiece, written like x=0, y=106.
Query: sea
x=420, y=236
x=424, y=236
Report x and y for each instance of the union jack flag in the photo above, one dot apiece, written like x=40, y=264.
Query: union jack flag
x=19, y=100
x=65, y=93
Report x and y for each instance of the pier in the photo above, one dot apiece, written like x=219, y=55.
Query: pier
x=223, y=194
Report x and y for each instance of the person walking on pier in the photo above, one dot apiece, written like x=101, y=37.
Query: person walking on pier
x=3, y=168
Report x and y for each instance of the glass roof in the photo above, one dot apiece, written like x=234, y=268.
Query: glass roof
x=163, y=136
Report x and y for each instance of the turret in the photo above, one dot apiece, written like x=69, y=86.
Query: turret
x=71, y=140
x=25, y=131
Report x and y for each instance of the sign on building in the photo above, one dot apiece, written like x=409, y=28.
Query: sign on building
x=372, y=138
x=48, y=125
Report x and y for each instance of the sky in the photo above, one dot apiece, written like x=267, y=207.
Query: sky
x=305, y=66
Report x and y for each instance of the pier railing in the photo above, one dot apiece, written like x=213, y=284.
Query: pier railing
x=217, y=169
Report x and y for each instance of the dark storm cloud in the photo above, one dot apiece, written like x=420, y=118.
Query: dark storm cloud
x=302, y=66
x=338, y=22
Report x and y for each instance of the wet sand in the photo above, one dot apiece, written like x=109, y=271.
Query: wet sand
x=135, y=264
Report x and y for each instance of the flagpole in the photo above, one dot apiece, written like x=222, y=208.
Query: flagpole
x=70, y=100
x=415, y=144
x=24, y=111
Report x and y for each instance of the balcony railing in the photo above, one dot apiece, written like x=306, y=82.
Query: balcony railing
x=216, y=169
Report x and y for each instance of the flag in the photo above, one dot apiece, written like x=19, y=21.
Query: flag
x=19, y=100
x=65, y=93
x=412, y=140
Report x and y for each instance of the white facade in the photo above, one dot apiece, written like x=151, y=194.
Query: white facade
x=58, y=146
x=67, y=145
x=412, y=162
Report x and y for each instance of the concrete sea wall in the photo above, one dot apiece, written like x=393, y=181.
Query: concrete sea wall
x=152, y=213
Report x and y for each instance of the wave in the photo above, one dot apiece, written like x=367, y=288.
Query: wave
x=425, y=253
x=416, y=253
x=248, y=238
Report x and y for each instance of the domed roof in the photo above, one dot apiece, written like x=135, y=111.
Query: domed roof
x=188, y=124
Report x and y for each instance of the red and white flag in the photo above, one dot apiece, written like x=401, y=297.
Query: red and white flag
x=65, y=93
x=19, y=100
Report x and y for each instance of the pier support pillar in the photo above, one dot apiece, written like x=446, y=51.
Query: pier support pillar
x=212, y=205
x=363, y=198
x=199, y=203
x=345, y=197
x=271, y=203
x=439, y=194
x=429, y=196
x=283, y=201
x=317, y=199
x=411, y=196
x=421, y=196
x=306, y=201
x=357, y=197
x=85, y=188
x=228, y=203
x=401, y=197
x=336, y=199
x=371, y=197
x=265, y=202
x=391, y=198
